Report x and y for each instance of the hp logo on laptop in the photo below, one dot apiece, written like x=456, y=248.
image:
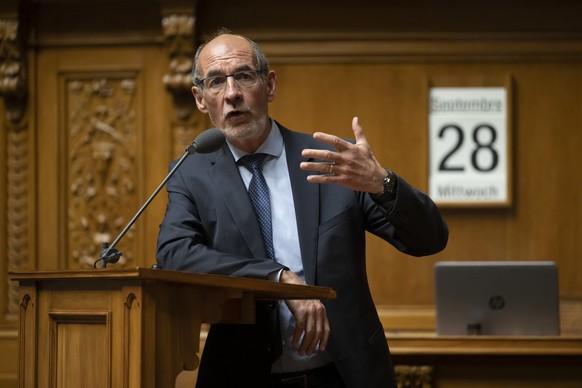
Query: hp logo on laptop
x=496, y=302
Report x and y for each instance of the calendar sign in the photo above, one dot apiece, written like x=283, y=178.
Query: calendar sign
x=468, y=145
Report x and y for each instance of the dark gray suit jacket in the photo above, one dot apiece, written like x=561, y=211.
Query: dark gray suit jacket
x=210, y=227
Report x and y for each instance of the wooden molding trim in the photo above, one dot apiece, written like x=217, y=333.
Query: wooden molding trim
x=397, y=49
x=423, y=48
x=407, y=318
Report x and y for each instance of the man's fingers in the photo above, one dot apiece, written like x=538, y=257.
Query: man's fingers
x=297, y=334
x=308, y=336
x=320, y=154
x=311, y=326
x=358, y=131
x=315, y=336
x=323, y=167
x=325, y=337
x=340, y=144
x=337, y=142
x=356, y=127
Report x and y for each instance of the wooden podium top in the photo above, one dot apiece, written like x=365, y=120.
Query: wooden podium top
x=260, y=288
x=137, y=327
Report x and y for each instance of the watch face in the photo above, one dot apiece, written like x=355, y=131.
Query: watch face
x=388, y=187
x=389, y=183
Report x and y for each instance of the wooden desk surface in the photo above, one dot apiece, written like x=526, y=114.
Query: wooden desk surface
x=432, y=344
x=429, y=360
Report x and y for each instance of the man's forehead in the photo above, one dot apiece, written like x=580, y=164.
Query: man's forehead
x=226, y=48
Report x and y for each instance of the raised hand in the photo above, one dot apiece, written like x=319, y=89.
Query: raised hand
x=351, y=165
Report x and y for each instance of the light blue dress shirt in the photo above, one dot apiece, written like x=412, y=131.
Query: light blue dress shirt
x=285, y=242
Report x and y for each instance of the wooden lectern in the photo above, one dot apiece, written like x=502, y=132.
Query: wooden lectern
x=130, y=327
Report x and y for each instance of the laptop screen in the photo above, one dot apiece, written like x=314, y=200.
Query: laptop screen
x=497, y=298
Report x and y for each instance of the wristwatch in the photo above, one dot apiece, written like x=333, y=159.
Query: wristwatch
x=388, y=192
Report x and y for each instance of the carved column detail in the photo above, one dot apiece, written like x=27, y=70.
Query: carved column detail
x=101, y=165
x=13, y=87
x=414, y=376
x=127, y=335
x=179, y=37
x=24, y=321
x=13, y=90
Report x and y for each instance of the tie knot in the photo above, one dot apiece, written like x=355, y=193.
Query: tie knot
x=253, y=161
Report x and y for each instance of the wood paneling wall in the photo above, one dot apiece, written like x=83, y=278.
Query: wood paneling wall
x=108, y=107
x=391, y=101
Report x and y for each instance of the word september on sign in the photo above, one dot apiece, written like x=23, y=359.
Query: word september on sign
x=468, y=145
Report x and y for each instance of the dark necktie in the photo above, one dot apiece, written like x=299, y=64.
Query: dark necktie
x=267, y=311
x=259, y=195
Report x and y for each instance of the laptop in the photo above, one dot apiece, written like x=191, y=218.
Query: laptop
x=497, y=298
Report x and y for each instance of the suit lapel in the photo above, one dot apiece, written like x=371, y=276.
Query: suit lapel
x=224, y=174
x=226, y=177
x=306, y=200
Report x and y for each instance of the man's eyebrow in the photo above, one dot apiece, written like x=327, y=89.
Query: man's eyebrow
x=213, y=73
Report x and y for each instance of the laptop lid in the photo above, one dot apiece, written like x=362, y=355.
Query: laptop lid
x=497, y=298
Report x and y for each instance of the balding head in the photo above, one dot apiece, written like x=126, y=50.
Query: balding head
x=223, y=38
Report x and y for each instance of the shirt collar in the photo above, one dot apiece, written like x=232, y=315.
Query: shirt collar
x=273, y=144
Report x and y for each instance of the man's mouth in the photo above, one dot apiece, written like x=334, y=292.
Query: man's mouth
x=235, y=114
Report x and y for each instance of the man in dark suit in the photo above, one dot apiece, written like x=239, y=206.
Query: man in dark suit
x=325, y=193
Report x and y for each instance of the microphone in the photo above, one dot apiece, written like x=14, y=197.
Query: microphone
x=208, y=141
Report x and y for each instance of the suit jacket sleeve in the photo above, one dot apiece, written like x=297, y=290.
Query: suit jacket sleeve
x=414, y=226
x=199, y=233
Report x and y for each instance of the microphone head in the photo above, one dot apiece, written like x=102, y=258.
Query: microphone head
x=208, y=141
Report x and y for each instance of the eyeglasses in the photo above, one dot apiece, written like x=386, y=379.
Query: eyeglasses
x=217, y=83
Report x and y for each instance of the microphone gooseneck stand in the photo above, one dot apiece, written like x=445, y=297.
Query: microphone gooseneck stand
x=208, y=141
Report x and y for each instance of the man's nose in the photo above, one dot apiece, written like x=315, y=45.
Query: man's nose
x=232, y=88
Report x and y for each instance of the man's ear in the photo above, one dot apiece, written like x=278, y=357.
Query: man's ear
x=271, y=86
x=200, y=103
